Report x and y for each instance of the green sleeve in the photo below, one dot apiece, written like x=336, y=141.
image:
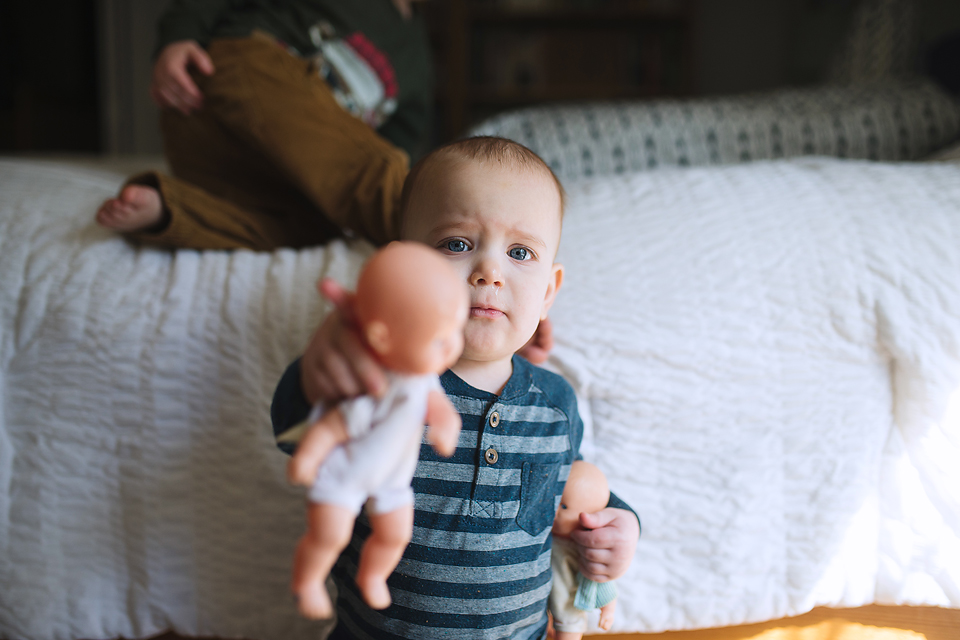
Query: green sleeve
x=289, y=405
x=189, y=20
x=617, y=503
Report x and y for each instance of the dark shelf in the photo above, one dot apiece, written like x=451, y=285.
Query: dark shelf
x=579, y=17
x=494, y=57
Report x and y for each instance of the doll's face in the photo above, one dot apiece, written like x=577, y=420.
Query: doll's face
x=433, y=351
x=499, y=226
x=411, y=307
x=568, y=515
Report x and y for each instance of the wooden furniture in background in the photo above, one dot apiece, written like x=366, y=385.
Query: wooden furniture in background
x=492, y=55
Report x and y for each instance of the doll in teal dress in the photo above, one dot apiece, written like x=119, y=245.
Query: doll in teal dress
x=573, y=595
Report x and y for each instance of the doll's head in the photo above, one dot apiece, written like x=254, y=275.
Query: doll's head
x=586, y=491
x=411, y=307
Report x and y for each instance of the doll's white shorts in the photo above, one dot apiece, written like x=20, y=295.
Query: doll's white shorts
x=338, y=483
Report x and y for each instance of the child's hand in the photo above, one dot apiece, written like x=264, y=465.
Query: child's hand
x=172, y=86
x=336, y=364
x=607, y=543
x=537, y=349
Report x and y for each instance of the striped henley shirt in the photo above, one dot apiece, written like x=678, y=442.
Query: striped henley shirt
x=478, y=565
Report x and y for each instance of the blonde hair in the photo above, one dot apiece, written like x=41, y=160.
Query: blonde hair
x=480, y=149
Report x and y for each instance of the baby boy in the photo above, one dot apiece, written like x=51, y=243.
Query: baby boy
x=478, y=565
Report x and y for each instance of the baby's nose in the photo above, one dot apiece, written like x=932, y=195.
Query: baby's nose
x=487, y=272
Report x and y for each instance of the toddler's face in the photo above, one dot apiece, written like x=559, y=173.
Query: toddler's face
x=499, y=225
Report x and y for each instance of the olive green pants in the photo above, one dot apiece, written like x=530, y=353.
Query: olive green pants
x=271, y=160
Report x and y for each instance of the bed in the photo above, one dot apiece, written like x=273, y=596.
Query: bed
x=767, y=357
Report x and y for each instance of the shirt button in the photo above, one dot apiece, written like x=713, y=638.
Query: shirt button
x=494, y=419
x=491, y=456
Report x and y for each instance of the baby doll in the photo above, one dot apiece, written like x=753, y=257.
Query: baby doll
x=573, y=595
x=410, y=308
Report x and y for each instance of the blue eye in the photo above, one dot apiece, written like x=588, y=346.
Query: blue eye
x=519, y=253
x=455, y=246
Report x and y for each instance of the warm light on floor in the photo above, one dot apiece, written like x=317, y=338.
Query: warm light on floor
x=865, y=623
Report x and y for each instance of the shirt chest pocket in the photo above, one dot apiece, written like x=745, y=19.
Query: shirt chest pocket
x=538, y=486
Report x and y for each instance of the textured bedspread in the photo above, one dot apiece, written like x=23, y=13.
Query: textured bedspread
x=769, y=356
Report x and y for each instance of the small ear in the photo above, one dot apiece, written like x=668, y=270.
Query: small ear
x=556, y=280
x=378, y=336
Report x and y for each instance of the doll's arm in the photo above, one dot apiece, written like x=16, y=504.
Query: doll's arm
x=443, y=422
x=322, y=436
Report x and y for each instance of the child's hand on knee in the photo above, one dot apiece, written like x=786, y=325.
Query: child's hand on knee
x=336, y=364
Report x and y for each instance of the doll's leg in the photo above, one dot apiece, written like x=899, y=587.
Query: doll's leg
x=325, y=434
x=567, y=635
x=606, y=615
x=389, y=536
x=328, y=532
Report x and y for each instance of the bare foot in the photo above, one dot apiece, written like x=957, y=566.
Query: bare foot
x=376, y=593
x=314, y=602
x=137, y=208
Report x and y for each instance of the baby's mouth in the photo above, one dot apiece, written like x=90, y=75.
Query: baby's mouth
x=481, y=311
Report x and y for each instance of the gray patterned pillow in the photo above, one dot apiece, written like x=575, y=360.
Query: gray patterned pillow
x=903, y=120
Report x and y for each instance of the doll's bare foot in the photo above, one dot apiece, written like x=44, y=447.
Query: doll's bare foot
x=376, y=593
x=314, y=602
x=137, y=208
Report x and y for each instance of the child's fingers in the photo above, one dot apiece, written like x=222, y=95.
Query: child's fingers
x=595, y=571
x=340, y=376
x=324, y=372
x=365, y=370
x=337, y=365
x=598, y=520
x=341, y=298
x=201, y=60
x=613, y=542
x=595, y=564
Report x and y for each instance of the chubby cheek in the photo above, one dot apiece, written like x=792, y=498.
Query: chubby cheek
x=528, y=317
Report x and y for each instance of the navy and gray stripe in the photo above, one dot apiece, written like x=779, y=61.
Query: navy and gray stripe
x=479, y=559
x=480, y=554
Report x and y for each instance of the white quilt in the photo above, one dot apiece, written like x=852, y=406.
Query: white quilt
x=769, y=355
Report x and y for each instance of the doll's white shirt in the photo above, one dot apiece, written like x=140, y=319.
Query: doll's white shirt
x=379, y=460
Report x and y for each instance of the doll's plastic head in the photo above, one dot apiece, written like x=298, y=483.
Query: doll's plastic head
x=411, y=307
x=586, y=491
